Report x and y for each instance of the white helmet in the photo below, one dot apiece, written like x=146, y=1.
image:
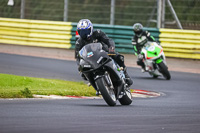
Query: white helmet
x=85, y=28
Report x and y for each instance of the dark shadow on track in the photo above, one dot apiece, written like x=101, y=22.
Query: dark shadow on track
x=104, y=105
x=148, y=78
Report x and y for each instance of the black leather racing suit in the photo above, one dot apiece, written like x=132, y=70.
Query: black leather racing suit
x=101, y=37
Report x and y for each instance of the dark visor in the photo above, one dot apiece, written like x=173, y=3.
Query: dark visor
x=84, y=33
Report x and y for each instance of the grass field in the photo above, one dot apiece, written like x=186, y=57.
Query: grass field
x=12, y=86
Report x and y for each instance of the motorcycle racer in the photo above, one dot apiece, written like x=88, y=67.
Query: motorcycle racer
x=139, y=39
x=88, y=35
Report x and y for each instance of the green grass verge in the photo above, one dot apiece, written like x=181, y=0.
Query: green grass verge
x=12, y=86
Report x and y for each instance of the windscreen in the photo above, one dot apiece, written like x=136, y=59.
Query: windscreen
x=89, y=49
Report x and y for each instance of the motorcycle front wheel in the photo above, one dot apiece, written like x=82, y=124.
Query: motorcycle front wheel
x=164, y=70
x=106, y=91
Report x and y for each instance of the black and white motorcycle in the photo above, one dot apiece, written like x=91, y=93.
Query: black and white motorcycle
x=104, y=74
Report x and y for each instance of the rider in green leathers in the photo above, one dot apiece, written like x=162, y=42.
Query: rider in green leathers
x=140, y=38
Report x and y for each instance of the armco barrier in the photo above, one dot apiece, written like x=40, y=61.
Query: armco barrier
x=176, y=43
x=180, y=43
x=35, y=33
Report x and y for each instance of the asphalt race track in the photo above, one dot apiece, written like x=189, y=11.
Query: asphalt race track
x=176, y=111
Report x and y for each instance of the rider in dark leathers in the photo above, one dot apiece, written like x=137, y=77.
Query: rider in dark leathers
x=139, y=39
x=88, y=35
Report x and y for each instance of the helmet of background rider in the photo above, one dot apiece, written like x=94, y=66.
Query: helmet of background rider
x=137, y=28
x=85, y=28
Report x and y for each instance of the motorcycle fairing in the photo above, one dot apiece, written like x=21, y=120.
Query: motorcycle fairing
x=152, y=51
x=90, y=56
x=153, y=54
x=93, y=58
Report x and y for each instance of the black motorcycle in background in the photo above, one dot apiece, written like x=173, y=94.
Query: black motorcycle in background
x=104, y=74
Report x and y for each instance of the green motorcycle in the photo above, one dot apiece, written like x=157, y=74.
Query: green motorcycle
x=154, y=60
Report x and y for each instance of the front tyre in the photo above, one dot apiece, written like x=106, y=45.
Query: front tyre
x=127, y=98
x=107, y=92
x=164, y=70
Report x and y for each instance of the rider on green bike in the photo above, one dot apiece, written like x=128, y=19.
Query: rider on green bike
x=140, y=38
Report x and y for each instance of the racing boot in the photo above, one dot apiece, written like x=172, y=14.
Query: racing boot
x=141, y=63
x=129, y=81
x=143, y=70
x=83, y=76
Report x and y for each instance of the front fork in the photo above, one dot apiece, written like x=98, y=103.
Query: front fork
x=117, y=89
x=106, y=78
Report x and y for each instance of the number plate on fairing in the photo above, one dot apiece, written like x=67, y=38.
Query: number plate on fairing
x=150, y=47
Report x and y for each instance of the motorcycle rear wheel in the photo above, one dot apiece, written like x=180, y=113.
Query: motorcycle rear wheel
x=164, y=70
x=107, y=93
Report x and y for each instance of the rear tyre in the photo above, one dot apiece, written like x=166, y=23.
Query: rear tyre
x=127, y=98
x=164, y=70
x=107, y=92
